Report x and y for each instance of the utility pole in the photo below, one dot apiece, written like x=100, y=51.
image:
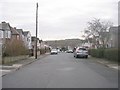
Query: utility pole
x=36, y=30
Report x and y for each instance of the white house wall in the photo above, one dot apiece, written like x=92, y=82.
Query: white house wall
x=1, y=34
x=27, y=41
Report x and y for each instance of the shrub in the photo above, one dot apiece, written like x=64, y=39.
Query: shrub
x=111, y=54
x=99, y=53
x=15, y=48
x=42, y=51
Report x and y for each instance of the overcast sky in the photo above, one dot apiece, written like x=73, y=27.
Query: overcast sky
x=58, y=19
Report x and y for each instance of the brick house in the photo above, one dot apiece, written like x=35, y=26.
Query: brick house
x=15, y=34
x=21, y=34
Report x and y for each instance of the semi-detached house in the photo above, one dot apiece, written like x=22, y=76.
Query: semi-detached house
x=5, y=32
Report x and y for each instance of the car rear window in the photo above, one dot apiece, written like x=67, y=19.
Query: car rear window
x=81, y=49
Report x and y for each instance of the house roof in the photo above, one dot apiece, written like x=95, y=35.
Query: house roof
x=20, y=31
x=25, y=33
x=1, y=29
x=14, y=31
x=34, y=38
x=5, y=26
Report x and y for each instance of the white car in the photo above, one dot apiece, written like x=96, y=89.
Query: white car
x=54, y=51
x=58, y=50
x=70, y=51
x=81, y=52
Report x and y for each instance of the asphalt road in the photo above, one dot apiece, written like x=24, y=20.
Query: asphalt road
x=62, y=71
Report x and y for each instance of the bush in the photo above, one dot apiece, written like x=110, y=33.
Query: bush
x=15, y=48
x=42, y=51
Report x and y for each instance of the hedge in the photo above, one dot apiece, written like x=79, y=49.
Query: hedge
x=109, y=54
x=99, y=53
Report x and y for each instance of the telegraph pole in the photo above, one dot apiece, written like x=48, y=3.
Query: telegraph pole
x=36, y=30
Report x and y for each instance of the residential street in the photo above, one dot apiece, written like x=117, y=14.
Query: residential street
x=62, y=71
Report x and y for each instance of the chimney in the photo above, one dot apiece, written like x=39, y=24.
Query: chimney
x=15, y=28
x=3, y=22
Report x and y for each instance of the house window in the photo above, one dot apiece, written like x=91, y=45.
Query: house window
x=1, y=34
x=18, y=37
x=7, y=34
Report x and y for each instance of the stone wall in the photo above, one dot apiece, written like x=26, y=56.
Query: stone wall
x=14, y=58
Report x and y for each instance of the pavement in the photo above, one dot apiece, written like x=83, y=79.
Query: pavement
x=107, y=63
x=6, y=69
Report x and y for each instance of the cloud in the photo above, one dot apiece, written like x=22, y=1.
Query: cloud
x=58, y=19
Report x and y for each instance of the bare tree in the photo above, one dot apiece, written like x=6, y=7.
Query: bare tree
x=98, y=31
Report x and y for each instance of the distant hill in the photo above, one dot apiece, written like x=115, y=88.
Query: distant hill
x=64, y=43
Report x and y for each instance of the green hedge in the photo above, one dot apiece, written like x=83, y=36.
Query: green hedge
x=99, y=53
x=109, y=54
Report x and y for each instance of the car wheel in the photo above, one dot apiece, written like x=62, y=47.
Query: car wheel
x=76, y=56
x=86, y=57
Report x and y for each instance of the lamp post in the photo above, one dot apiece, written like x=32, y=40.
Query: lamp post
x=36, y=30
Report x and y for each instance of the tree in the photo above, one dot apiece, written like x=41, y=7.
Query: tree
x=99, y=32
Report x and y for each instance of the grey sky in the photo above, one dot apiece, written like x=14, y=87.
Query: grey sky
x=58, y=19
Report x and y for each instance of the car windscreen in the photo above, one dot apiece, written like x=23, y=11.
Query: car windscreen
x=53, y=50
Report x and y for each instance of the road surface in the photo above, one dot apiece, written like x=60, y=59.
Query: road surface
x=62, y=71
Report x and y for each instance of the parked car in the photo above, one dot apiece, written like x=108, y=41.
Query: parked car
x=70, y=51
x=81, y=52
x=54, y=51
x=58, y=50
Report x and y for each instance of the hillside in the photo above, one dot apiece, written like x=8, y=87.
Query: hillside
x=64, y=43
